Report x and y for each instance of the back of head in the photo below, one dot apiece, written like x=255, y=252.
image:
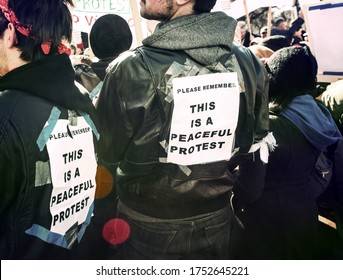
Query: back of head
x=275, y=42
x=292, y=72
x=41, y=25
x=242, y=25
x=203, y=6
x=280, y=23
x=110, y=35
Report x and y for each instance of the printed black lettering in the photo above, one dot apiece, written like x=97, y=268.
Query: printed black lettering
x=70, y=211
x=196, y=123
x=77, y=172
x=182, y=138
x=198, y=148
x=200, y=134
x=71, y=156
x=209, y=121
x=79, y=154
x=173, y=148
x=203, y=107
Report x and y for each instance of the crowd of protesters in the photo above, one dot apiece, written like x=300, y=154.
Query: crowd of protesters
x=140, y=153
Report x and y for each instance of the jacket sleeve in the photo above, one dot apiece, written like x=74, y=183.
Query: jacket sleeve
x=119, y=108
x=261, y=102
x=296, y=25
x=113, y=137
x=11, y=170
x=250, y=179
x=253, y=123
x=251, y=172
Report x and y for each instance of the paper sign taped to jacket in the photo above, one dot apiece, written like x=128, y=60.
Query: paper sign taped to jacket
x=205, y=118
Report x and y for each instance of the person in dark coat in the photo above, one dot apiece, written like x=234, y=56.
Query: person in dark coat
x=178, y=208
x=48, y=133
x=282, y=29
x=109, y=37
x=282, y=223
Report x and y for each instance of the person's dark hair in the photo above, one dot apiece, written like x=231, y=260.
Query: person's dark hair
x=203, y=6
x=292, y=72
x=279, y=21
x=3, y=24
x=50, y=22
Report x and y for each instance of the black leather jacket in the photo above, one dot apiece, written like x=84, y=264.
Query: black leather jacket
x=136, y=121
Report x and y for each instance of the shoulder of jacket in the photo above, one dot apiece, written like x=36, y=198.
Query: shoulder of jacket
x=124, y=59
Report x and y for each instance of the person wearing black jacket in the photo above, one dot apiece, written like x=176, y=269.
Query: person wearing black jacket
x=48, y=136
x=282, y=224
x=174, y=159
x=281, y=28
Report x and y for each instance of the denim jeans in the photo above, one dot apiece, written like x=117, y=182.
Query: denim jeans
x=205, y=236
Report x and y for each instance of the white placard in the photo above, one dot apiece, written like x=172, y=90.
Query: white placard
x=323, y=21
x=73, y=168
x=204, y=119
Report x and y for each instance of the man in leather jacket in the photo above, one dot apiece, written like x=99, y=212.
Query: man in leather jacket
x=47, y=136
x=174, y=164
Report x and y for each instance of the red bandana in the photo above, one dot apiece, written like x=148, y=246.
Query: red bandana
x=11, y=17
x=26, y=28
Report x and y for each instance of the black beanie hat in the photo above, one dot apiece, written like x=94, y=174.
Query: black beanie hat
x=110, y=35
x=275, y=42
x=292, y=71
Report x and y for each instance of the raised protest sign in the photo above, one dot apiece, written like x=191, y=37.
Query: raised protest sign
x=237, y=9
x=86, y=12
x=323, y=23
x=204, y=119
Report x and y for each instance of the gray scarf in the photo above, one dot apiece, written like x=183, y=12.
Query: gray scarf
x=205, y=37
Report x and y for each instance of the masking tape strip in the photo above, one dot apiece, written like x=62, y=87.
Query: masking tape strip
x=48, y=128
x=85, y=223
x=183, y=168
x=91, y=124
x=55, y=238
x=43, y=174
x=47, y=236
x=96, y=90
